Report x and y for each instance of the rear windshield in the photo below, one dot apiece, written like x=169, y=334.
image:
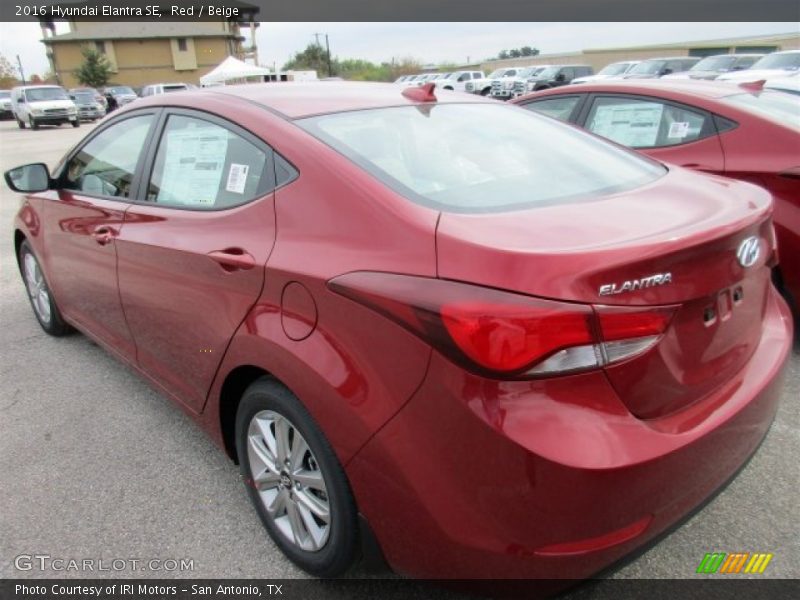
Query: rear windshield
x=790, y=60
x=480, y=157
x=614, y=69
x=783, y=109
x=174, y=88
x=714, y=63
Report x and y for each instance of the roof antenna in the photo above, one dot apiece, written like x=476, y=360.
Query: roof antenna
x=423, y=93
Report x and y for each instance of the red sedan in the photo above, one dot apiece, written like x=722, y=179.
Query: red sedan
x=488, y=341
x=741, y=132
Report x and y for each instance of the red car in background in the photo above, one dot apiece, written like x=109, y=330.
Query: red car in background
x=742, y=132
x=499, y=346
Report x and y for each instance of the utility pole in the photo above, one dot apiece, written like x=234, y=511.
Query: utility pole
x=327, y=51
x=328, y=48
x=21, y=72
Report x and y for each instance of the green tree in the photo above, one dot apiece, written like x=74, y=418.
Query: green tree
x=95, y=70
x=529, y=51
x=503, y=54
x=514, y=53
x=8, y=74
x=314, y=57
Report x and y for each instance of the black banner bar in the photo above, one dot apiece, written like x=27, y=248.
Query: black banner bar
x=396, y=588
x=406, y=10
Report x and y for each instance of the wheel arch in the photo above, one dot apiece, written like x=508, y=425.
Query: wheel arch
x=231, y=392
x=19, y=237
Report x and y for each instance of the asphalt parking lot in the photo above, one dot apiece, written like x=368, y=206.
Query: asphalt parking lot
x=96, y=464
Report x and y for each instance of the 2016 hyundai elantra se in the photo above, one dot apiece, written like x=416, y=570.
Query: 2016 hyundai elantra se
x=493, y=343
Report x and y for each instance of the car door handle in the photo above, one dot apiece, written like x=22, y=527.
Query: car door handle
x=104, y=235
x=233, y=259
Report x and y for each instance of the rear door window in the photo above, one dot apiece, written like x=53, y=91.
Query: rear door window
x=202, y=165
x=646, y=123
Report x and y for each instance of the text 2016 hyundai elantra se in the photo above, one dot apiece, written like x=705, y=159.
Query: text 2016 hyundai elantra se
x=498, y=345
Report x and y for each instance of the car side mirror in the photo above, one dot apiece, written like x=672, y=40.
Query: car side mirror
x=29, y=179
x=560, y=77
x=666, y=71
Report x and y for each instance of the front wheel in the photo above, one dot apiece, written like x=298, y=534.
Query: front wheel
x=39, y=294
x=76, y=123
x=33, y=123
x=295, y=481
x=20, y=123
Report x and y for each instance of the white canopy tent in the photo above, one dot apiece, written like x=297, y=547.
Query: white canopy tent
x=232, y=69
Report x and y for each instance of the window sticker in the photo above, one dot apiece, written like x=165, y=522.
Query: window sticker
x=678, y=130
x=237, y=178
x=195, y=159
x=634, y=124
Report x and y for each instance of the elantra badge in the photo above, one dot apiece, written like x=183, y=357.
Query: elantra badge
x=749, y=251
x=611, y=289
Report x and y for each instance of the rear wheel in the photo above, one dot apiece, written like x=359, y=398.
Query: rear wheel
x=76, y=123
x=295, y=481
x=39, y=294
x=20, y=123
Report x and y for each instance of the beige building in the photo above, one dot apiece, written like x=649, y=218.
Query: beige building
x=141, y=53
x=597, y=58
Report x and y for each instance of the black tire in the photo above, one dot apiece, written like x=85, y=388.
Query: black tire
x=486, y=92
x=33, y=123
x=340, y=550
x=20, y=124
x=76, y=123
x=55, y=326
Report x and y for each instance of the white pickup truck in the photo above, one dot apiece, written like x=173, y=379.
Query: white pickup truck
x=484, y=86
x=511, y=87
x=458, y=80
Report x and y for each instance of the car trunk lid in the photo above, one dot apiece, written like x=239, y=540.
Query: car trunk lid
x=672, y=242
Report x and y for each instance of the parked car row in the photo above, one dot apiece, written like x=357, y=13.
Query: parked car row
x=36, y=105
x=506, y=83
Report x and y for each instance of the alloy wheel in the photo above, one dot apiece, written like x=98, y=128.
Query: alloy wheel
x=37, y=288
x=289, y=480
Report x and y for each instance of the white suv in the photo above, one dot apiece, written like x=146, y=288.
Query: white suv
x=36, y=105
x=157, y=89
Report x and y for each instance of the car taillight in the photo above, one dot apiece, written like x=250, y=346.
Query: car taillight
x=503, y=334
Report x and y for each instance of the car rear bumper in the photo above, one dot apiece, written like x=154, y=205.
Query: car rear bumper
x=554, y=478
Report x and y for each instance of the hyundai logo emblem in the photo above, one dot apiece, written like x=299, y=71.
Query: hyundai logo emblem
x=748, y=251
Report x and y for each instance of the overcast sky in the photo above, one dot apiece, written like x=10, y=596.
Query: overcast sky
x=431, y=42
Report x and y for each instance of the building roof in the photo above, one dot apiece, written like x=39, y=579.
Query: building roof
x=744, y=40
x=295, y=100
x=135, y=30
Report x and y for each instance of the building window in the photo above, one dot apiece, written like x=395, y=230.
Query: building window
x=100, y=47
x=182, y=45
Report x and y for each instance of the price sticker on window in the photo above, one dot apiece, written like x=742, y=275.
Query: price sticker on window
x=237, y=178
